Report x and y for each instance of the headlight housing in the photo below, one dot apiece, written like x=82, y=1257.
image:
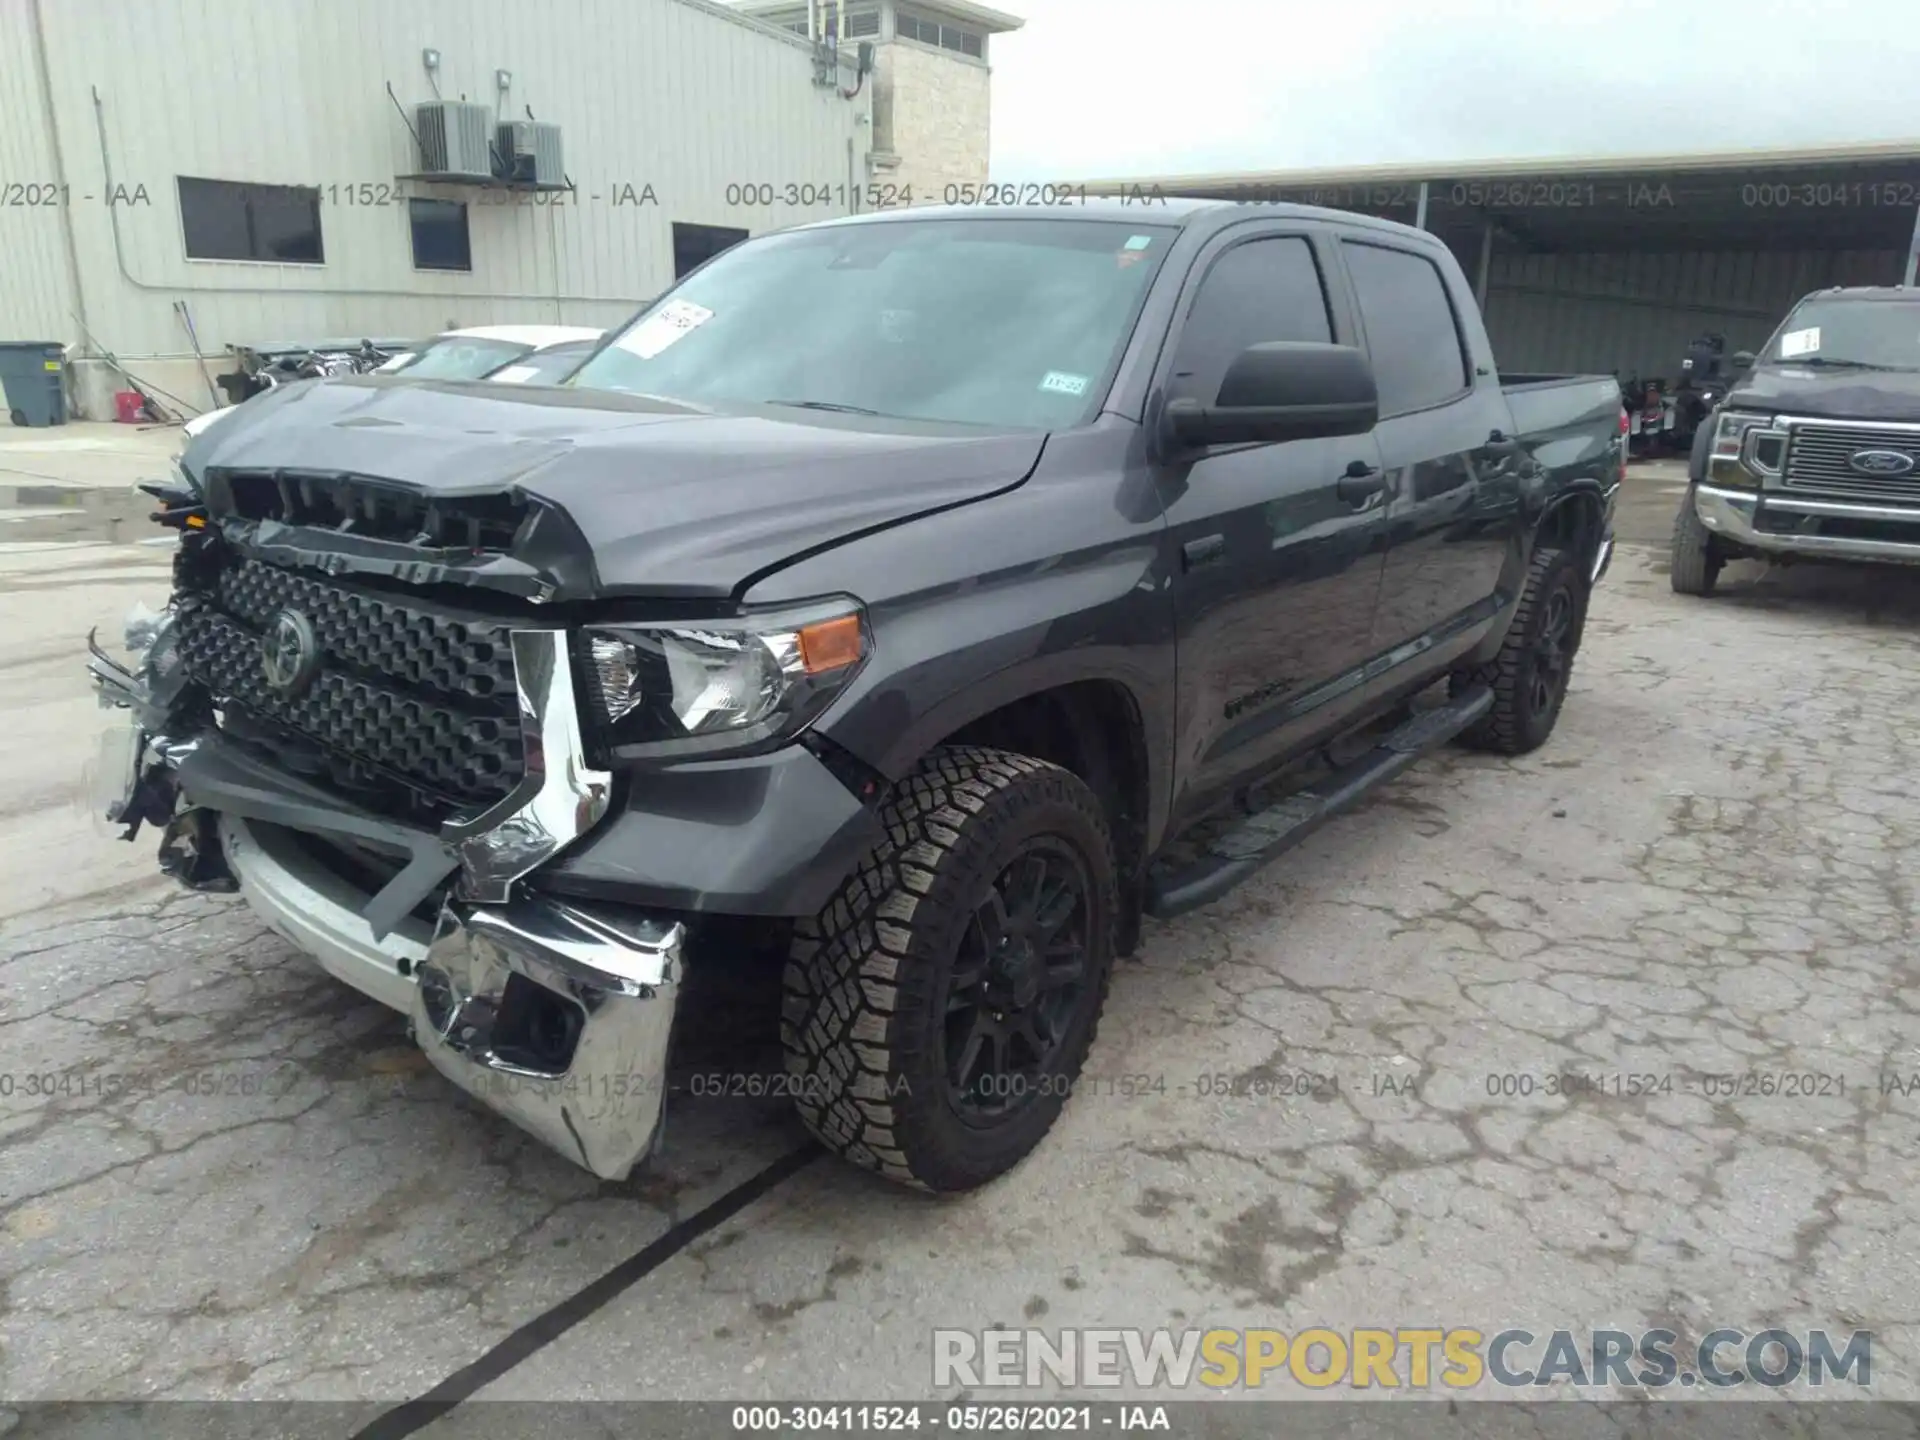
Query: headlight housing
x=1745, y=448
x=673, y=687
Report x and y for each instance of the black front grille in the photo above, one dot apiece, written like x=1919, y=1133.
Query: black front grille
x=1820, y=459
x=377, y=634
x=405, y=695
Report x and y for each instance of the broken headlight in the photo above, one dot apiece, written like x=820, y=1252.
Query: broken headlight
x=677, y=687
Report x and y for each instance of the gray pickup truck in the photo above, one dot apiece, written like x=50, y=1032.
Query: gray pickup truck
x=1815, y=452
x=920, y=600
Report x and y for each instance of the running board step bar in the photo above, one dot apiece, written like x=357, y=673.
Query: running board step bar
x=1261, y=837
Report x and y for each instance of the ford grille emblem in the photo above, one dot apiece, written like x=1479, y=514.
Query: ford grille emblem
x=289, y=652
x=1882, y=462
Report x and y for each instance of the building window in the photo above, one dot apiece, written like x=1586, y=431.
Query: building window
x=440, y=240
x=859, y=22
x=224, y=220
x=909, y=26
x=694, y=245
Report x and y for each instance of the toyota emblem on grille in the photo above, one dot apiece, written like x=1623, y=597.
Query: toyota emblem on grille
x=289, y=652
x=1882, y=462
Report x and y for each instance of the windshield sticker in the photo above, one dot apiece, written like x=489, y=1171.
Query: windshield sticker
x=1061, y=383
x=1800, y=342
x=515, y=374
x=668, y=325
x=1139, y=242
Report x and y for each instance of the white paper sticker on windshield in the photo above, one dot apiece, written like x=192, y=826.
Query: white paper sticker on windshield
x=1061, y=383
x=1139, y=242
x=1800, y=342
x=668, y=325
x=515, y=374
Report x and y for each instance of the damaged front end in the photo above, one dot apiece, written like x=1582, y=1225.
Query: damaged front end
x=557, y=1015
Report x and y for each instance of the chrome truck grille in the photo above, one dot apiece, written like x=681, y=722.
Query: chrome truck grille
x=1854, y=462
x=394, y=691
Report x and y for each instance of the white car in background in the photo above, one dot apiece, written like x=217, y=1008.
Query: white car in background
x=496, y=352
x=506, y=354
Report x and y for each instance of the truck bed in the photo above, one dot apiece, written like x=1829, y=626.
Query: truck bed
x=1571, y=423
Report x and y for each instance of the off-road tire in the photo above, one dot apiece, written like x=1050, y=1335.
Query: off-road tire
x=865, y=978
x=1516, y=725
x=1696, y=558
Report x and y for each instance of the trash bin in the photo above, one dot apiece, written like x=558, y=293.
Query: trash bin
x=33, y=373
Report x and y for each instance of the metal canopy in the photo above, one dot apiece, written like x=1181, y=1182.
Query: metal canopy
x=1852, y=198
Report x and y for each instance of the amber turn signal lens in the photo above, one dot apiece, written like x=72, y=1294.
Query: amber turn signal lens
x=830, y=644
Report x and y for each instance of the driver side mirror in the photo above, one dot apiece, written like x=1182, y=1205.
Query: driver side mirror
x=1742, y=361
x=1282, y=390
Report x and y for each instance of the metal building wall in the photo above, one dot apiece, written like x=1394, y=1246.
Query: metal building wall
x=34, y=292
x=681, y=95
x=1636, y=313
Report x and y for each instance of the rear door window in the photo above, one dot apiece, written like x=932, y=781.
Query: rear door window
x=1413, y=336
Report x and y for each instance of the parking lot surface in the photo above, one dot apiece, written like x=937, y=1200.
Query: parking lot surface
x=224, y=1175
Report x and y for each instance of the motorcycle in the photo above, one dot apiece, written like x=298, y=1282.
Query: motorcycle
x=1703, y=385
x=271, y=373
x=1651, y=420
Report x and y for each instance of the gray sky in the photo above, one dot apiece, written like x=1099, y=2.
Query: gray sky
x=1114, y=88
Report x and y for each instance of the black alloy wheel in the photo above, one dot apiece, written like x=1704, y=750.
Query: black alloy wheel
x=1016, y=982
x=1552, y=654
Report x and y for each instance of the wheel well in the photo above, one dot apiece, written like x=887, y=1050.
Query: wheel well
x=1573, y=523
x=1093, y=729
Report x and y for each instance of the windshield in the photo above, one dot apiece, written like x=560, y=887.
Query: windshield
x=1863, y=334
x=461, y=357
x=544, y=367
x=1008, y=323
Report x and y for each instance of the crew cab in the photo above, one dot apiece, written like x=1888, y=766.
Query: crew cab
x=925, y=597
x=1814, y=454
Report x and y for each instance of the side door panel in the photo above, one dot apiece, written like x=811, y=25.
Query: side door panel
x=1456, y=479
x=1276, y=575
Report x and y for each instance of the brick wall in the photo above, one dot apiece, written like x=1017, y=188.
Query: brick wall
x=933, y=111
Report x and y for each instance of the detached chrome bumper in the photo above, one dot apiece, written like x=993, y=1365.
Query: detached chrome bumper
x=556, y=1016
x=1734, y=514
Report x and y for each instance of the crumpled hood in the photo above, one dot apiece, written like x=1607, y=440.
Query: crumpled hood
x=672, y=500
x=1784, y=388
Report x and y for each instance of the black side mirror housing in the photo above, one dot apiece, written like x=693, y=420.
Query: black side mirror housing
x=1282, y=390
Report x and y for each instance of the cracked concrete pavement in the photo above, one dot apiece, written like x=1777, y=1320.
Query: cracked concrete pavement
x=245, y=1184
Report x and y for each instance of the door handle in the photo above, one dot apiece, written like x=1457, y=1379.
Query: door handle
x=1204, y=551
x=1360, y=484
